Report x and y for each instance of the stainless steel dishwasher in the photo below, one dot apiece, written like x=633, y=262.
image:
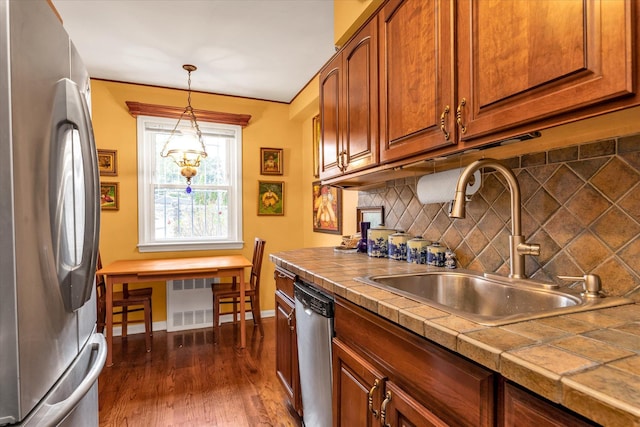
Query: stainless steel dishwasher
x=314, y=324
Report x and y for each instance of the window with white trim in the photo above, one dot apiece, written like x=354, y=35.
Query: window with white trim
x=210, y=217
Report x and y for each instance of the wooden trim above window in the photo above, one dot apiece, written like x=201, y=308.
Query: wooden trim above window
x=139, y=109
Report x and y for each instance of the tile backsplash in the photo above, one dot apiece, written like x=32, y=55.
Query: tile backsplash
x=580, y=203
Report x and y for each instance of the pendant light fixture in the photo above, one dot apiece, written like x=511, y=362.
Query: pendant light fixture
x=185, y=146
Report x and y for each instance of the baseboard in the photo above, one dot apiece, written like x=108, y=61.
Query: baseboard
x=138, y=328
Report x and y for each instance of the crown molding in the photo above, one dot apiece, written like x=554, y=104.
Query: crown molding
x=139, y=109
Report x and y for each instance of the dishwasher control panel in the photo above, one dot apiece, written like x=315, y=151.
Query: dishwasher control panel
x=313, y=299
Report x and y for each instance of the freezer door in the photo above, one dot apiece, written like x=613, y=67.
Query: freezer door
x=74, y=399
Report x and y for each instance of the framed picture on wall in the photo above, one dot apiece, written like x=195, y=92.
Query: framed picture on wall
x=371, y=214
x=109, y=196
x=270, y=198
x=107, y=162
x=271, y=161
x=327, y=208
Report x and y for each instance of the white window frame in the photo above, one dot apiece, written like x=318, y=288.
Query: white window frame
x=146, y=205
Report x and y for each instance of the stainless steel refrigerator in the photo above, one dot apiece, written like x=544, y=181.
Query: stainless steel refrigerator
x=50, y=355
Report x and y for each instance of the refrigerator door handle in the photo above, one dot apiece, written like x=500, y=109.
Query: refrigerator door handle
x=54, y=409
x=74, y=202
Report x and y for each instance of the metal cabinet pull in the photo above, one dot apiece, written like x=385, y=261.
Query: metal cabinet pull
x=376, y=383
x=463, y=128
x=443, y=118
x=342, y=165
x=383, y=410
x=290, y=318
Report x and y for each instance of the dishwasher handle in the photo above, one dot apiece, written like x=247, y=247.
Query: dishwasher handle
x=313, y=299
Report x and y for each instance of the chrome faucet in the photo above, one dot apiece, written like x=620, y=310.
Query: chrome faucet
x=517, y=246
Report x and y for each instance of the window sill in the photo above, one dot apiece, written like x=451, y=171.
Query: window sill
x=188, y=246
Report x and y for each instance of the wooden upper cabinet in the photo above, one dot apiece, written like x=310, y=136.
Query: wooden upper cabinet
x=330, y=141
x=416, y=77
x=349, y=106
x=523, y=61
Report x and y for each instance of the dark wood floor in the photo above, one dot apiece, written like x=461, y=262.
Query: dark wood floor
x=192, y=379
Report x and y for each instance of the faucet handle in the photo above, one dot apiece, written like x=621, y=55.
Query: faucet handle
x=590, y=282
x=528, y=249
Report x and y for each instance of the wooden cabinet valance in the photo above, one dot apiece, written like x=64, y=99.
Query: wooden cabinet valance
x=139, y=109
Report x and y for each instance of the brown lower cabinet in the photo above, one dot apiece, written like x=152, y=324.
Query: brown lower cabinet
x=522, y=408
x=286, y=342
x=365, y=397
x=418, y=383
x=386, y=375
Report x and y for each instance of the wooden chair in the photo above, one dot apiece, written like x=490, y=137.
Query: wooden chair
x=229, y=293
x=128, y=301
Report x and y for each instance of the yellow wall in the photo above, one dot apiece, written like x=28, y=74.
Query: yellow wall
x=287, y=126
x=272, y=124
x=269, y=126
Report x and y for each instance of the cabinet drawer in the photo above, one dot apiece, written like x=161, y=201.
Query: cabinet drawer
x=284, y=281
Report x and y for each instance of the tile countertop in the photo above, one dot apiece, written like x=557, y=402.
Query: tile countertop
x=588, y=362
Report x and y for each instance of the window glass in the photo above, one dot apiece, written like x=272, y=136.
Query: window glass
x=207, y=218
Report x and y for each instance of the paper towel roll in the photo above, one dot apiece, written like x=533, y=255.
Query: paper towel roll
x=441, y=186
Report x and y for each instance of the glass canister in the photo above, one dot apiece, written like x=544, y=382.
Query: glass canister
x=378, y=241
x=417, y=250
x=436, y=254
x=398, y=245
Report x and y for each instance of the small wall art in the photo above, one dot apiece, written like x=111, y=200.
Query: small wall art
x=108, y=162
x=270, y=198
x=271, y=161
x=327, y=208
x=109, y=196
x=371, y=214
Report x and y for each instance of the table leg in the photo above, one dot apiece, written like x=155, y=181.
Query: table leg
x=243, y=321
x=109, y=320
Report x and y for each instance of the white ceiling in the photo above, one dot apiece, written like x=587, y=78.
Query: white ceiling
x=264, y=49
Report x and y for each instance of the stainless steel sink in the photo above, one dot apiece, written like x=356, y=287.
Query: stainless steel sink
x=489, y=300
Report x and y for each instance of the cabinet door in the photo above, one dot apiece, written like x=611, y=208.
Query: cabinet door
x=360, y=99
x=416, y=77
x=526, y=410
x=330, y=141
x=522, y=61
x=349, y=106
x=401, y=410
x=287, y=350
x=357, y=388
